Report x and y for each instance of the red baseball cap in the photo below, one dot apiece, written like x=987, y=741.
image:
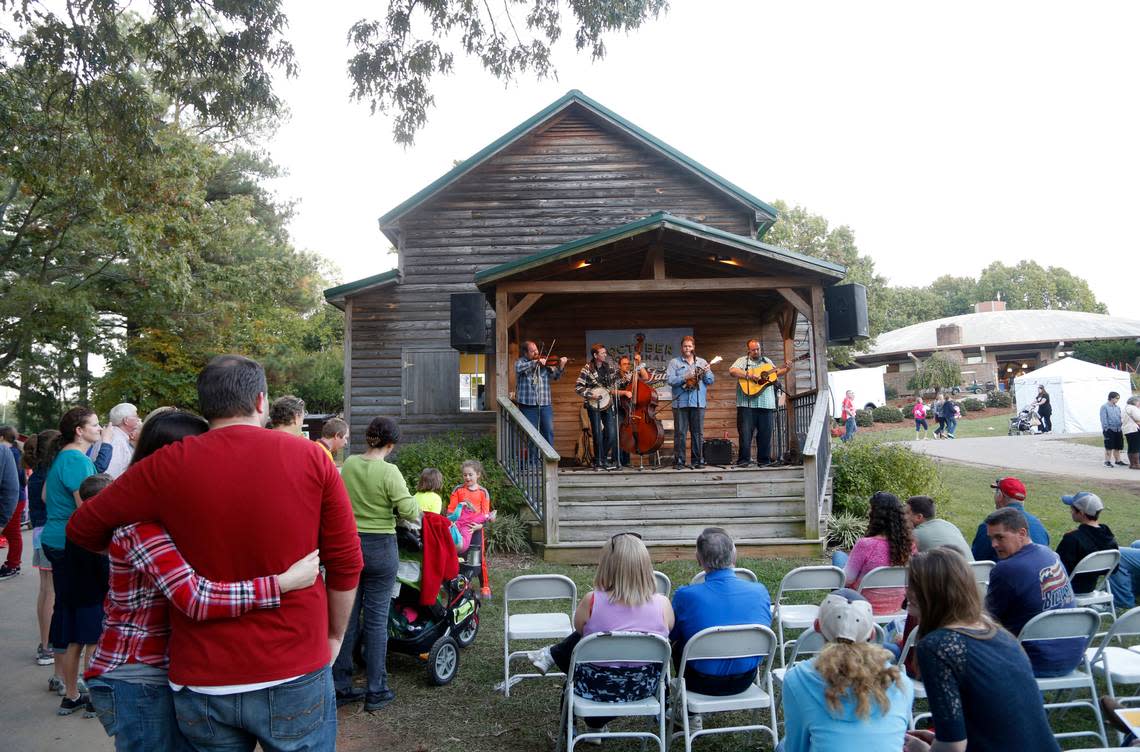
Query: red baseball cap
x=1011, y=487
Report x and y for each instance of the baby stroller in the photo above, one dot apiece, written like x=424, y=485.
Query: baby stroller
x=434, y=632
x=1026, y=421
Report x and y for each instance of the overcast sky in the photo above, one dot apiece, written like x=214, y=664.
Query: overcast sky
x=945, y=136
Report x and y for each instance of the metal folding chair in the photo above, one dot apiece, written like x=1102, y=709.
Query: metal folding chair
x=726, y=643
x=663, y=583
x=796, y=616
x=1119, y=666
x=622, y=647
x=881, y=578
x=919, y=687
x=549, y=626
x=1061, y=624
x=744, y=574
x=1100, y=563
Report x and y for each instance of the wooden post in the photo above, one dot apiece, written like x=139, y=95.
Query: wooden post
x=787, y=324
x=550, y=501
x=819, y=336
x=502, y=383
x=348, y=373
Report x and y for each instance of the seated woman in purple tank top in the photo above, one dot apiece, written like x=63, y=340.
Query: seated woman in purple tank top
x=624, y=599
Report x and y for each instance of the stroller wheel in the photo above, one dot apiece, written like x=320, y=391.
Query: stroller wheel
x=466, y=636
x=443, y=661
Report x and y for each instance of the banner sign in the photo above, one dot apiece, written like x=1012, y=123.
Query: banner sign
x=658, y=346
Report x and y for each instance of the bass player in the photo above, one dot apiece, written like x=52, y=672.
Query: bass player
x=598, y=382
x=755, y=405
x=690, y=377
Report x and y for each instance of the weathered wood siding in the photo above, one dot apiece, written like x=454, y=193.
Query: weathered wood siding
x=566, y=181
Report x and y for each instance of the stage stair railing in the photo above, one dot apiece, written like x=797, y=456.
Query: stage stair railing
x=817, y=464
x=531, y=464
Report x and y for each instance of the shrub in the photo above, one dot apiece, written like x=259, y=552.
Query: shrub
x=998, y=398
x=972, y=405
x=890, y=392
x=844, y=529
x=864, y=418
x=887, y=414
x=863, y=467
x=447, y=453
x=508, y=534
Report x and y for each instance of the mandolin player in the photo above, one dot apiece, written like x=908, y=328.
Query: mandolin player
x=755, y=408
x=690, y=377
x=598, y=383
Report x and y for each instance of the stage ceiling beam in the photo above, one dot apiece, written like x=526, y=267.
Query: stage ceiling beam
x=797, y=301
x=523, y=306
x=651, y=285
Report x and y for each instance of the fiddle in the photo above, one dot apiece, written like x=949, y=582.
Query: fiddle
x=695, y=374
x=550, y=360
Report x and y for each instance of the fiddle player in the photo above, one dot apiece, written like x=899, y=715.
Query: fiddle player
x=753, y=413
x=689, y=402
x=598, y=377
x=533, y=377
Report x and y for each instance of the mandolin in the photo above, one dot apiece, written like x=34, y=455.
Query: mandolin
x=758, y=378
x=695, y=375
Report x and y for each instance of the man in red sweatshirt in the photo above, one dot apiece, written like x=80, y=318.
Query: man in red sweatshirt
x=240, y=501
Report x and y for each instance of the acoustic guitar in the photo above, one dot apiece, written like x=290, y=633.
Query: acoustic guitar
x=758, y=378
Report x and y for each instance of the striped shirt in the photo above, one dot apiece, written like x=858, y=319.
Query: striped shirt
x=533, y=381
x=765, y=399
x=146, y=570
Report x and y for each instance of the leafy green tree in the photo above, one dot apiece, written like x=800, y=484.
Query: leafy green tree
x=1109, y=351
x=956, y=295
x=936, y=372
x=1028, y=285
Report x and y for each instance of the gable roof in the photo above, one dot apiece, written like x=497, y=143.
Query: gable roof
x=765, y=213
x=336, y=295
x=669, y=222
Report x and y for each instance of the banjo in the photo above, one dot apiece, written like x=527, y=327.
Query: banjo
x=598, y=397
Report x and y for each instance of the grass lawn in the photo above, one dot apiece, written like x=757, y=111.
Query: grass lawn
x=993, y=425
x=469, y=716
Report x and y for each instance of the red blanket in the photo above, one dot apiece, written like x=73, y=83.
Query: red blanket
x=441, y=562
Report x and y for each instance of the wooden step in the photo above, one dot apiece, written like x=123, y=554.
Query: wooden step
x=657, y=490
x=657, y=531
x=587, y=552
x=672, y=509
x=587, y=478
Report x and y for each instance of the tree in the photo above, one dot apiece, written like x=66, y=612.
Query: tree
x=1119, y=351
x=393, y=66
x=936, y=372
x=1031, y=286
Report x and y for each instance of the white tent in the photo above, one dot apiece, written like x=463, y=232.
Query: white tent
x=1076, y=389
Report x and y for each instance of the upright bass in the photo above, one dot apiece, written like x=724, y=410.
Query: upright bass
x=640, y=431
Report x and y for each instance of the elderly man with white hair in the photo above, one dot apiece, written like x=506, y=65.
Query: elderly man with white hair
x=124, y=420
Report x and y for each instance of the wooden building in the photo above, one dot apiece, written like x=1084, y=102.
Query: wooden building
x=578, y=221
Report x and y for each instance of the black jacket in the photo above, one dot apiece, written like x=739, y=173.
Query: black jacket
x=1077, y=544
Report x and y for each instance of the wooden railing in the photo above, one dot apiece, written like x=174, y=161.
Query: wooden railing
x=817, y=463
x=803, y=405
x=531, y=464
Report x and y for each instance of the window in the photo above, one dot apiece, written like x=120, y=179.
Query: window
x=472, y=382
x=907, y=367
x=973, y=360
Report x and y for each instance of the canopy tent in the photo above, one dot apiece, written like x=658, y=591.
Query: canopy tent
x=1076, y=389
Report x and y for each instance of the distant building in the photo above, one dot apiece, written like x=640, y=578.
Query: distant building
x=991, y=344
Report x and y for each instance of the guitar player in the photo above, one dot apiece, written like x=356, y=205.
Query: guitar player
x=689, y=377
x=754, y=413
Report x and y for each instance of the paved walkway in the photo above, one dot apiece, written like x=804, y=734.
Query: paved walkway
x=1040, y=454
x=27, y=711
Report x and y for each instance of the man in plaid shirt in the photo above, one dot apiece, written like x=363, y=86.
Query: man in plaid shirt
x=532, y=389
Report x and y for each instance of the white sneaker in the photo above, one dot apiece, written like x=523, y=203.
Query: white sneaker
x=542, y=659
x=696, y=723
x=581, y=728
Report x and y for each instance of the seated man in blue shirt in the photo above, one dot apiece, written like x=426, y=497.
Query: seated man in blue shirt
x=721, y=600
x=1008, y=493
x=1029, y=580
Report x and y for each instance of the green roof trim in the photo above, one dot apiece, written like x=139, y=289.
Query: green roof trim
x=652, y=222
x=576, y=97
x=341, y=291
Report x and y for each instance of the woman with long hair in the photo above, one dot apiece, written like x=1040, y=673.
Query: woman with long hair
x=148, y=576
x=889, y=542
x=1044, y=409
x=978, y=680
x=625, y=599
x=851, y=695
x=76, y=621
x=379, y=496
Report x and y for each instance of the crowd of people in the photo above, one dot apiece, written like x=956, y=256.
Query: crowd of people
x=242, y=648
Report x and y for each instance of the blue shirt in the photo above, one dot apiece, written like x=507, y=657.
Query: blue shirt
x=962, y=674
x=722, y=600
x=9, y=486
x=532, y=381
x=982, y=549
x=70, y=468
x=810, y=725
x=1110, y=419
x=675, y=375
x=1022, y=586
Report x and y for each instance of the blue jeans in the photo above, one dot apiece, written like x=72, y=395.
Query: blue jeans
x=755, y=421
x=139, y=716
x=849, y=427
x=688, y=421
x=951, y=425
x=1125, y=581
x=296, y=716
x=374, y=596
x=542, y=418
x=603, y=429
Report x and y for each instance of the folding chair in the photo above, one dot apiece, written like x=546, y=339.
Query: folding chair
x=1100, y=563
x=881, y=578
x=623, y=647
x=1118, y=665
x=810, y=643
x=741, y=573
x=1068, y=623
x=919, y=687
x=821, y=579
x=981, y=570
x=548, y=626
x=726, y=643
x=663, y=583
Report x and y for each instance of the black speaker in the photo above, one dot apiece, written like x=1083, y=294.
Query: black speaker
x=469, y=322
x=718, y=451
x=846, y=314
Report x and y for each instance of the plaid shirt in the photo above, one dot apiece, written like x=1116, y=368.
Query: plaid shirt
x=146, y=570
x=533, y=381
